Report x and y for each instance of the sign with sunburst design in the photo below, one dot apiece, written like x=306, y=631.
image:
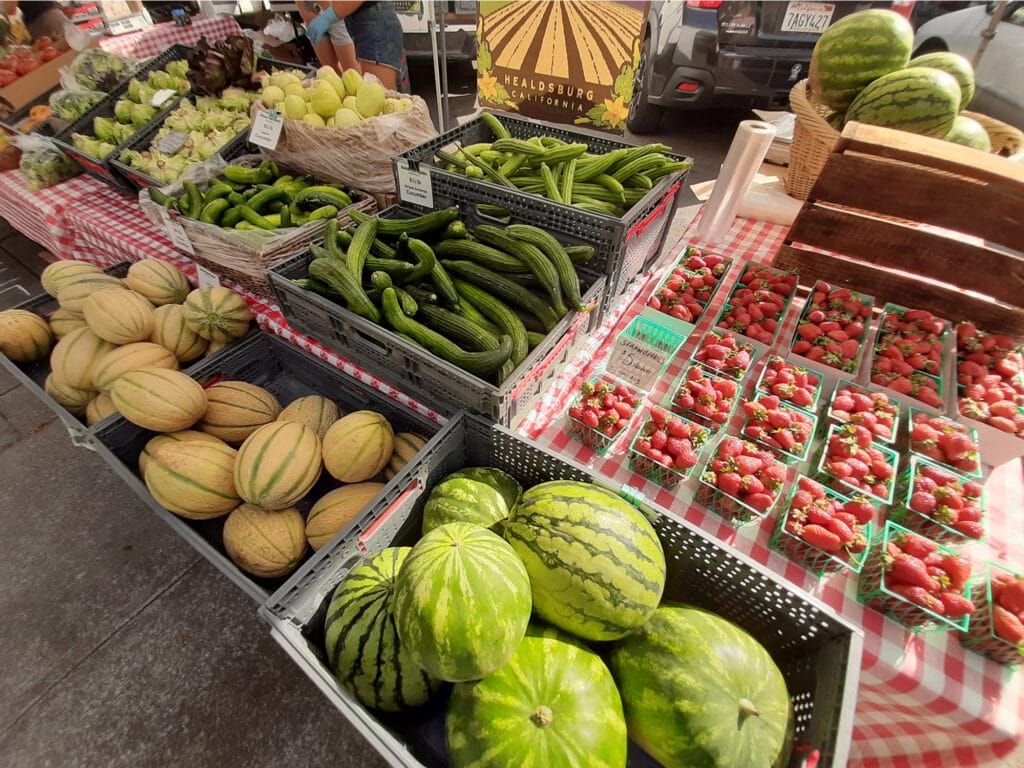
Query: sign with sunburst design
x=565, y=61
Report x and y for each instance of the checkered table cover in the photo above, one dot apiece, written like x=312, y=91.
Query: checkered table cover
x=156, y=39
x=923, y=700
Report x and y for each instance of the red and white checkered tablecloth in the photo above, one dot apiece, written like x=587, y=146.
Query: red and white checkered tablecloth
x=156, y=39
x=923, y=700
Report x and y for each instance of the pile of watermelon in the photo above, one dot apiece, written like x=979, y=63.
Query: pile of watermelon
x=861, y=68
x=542, y=608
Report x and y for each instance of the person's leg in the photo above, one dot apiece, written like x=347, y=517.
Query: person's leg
x=324, y=49
x=387, y=75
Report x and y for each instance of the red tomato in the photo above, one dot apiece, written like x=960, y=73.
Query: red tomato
x=6, y=78
x=43, y=43
x=49, y=54
x=27, y=65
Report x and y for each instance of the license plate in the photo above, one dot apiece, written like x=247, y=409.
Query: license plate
x=812, y=18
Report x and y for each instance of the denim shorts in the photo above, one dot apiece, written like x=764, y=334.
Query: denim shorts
x=377, y=33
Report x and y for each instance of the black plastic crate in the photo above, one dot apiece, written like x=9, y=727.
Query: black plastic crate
x=625, y=246
x=818, y=651
x=288, y=372
x=420, y=374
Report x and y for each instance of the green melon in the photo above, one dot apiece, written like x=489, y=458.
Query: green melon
x=553, y=704
x=459, y=499
x=699, y=691
x=917, y=100
x=502, y=482
x=970, y=133
x=363, y=649
x=596, y=565
x=953, y=64
x=462, y=602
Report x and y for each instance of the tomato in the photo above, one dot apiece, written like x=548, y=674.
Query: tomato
x=6, y=78
x=44, y=42
x=28, y=65
x=49, y=54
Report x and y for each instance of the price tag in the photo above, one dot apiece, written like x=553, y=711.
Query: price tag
x=266, y=129
x=161, y=97
x=414, y=186
x=171, y=143
x=176, y=234
x=207, y=279
x=636, y=363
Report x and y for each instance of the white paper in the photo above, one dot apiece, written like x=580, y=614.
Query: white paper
x=414, y=186
x=207, y=279
x=161, y=96
x=177, y=235
x=266, y=129
x=635, y=362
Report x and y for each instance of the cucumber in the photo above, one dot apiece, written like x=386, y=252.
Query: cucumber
x=492, y=258
x=336, y=275
x=553, y=250
x=496, y=126
x=457, y=328
x=425, y=259
x=534, y=259
x=580, y=254
x=474, y=314
x=535, y=339
x=504, y=288
x=359, y=248
x=498, y=313
x=320, y=195
x=415, y=227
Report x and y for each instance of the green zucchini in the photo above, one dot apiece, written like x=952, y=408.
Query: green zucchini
x=458, y=328
x=504, y=288
x=534, y=259
x=498, y=313
x=336, y=275
x=415, y=227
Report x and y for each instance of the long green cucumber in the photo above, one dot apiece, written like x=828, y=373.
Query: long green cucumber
x=492, y=258
x=504, y=288
x=416, y=227
x=534, y=259
x=474, y=314
x=553, y=250
x=458, y=328
x=336, y=275
x=359, y=248
x=500, y=314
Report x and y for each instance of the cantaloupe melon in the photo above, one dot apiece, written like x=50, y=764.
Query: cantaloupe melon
x=73, y=295
x=117, y=362
x=217, y=313
x=236, y=409
x=358, y=446
x=215, y=347
x=98, y=409
x=74, y=357
x=407, y=445
x=64, y=321
x=119, y=316
x=337, y=509
x=76, y=401
x=62, y=273
x=159, y=399
x=184, y=436
x=278, y=464
x=265, y=543
x=193, y=479
x=160, y=282
x=172, y=332
x=316, y=412
x=24, y=336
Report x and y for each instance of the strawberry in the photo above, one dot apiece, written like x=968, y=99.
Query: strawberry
x=658, y=439
x=685, y=458
x=907, y=569
x=1007, y=626
x=729, y=483
x=956, y=605
x=747, y=465
x=958, y=569
x=760, y=501
x=972, y=529
x=922, y=502
x=842, y=530
x=918, y=595
x=860, y=508
x=1011, y=597
x=818, y=516
x=822, y=538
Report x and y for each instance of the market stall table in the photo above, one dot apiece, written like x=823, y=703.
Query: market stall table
x=41, y=215
x=156, y=39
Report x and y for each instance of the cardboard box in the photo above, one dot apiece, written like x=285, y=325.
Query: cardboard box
x=29, y=87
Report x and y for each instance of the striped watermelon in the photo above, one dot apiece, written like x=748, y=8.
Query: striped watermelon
x=459, y=499
x=278, y=464
x=502, y=482
x=970, y=133
x=362, y=644
x=954, y=64
x=217, y=313
x=855, y=51
x=462, y=602
x=700, y=691
x=596, y=566
x=918, y=100
x=553, y=703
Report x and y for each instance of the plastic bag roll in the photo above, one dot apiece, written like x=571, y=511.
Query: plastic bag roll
x=749, y=146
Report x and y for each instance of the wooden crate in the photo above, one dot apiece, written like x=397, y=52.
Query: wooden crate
x=919, y=222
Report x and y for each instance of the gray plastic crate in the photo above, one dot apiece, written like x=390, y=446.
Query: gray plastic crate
x=420, y=374
x=818, y=651
x=625, y=246
x=288, y=372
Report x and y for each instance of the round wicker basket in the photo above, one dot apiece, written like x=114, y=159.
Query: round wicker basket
x=814, y=138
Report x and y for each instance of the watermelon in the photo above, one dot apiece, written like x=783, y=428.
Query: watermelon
x=969, y=133
x=918, y=100
x=502, y=482
x=462, y=602
x=855, y=51
x=363, y=649
x=596, y=566
x=953, y=64
x=553, y=704
x=699, y=691
x=459, y=499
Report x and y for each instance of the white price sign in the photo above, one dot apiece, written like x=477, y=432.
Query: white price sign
x=414, y=185
x=176, y=234
x=635, y=362
x=161, y=97
x=207, y=279
x=266, y=129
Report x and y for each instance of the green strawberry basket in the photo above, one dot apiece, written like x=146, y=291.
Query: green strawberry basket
x=763, y=386
x=595, y=438
x=789, y=457
x=971, y=433
x=727, y=371
x=665, y=476
x=688, y=413
x=826, y=478
x=929, y=526
x=828, y=419
x=980, y=635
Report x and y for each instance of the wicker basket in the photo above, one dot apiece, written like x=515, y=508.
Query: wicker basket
x=814, y=138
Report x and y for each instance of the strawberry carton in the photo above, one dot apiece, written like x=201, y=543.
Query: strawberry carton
x=603, y=410
x=705, y=398
x=667, y=448
x=833, y=328
x=944, y=442
x=909, y=356
x=741, y=482
x=852, y=463
x=853, y=404
x=791, y=383
x=996, y=627
x=758, y=303
x=916, y=581
x=687, y=290
x=939, y=504
x=822, y=529
x=783, y=429
x=725, y=354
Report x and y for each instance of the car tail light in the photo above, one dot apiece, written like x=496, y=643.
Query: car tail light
x=904, y=7
x=712, y=4
x=688, y=87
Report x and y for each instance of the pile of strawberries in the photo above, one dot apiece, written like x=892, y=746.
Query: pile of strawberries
x=684, y=294
x=758, y=301
x=827, y=522
x=944, y=440
x=873, y=410
x=709, y=397
x=670, y=441
x=854, y=460
x=777, y=426
x=604, y=407
x=989, y=371
x=918, y=571
x=789, y=383
x=832, y=327
x=1008, y=608
x=725, y=353
x=746, y=473
x=909, y=345
x=948, y=499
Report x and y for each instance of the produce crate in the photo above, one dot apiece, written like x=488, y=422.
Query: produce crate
x=662, y=315
x=420, y=374
x=936, y=380
x=288, y=373
x=48, y=128
x=625, y=246
x=818, y=651
x=949, y=425
x=831, y=373
x=828, y=419
x=980, y=635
